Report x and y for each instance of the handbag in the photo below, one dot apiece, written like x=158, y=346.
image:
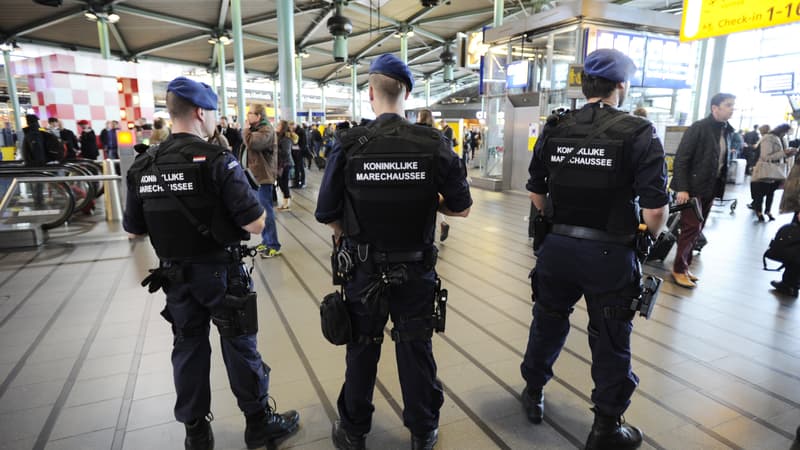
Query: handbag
x=784, y=247
x=769, y=171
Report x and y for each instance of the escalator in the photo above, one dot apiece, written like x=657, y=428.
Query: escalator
x=30, y=207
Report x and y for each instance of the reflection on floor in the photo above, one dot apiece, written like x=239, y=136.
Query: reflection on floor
x=85, y=356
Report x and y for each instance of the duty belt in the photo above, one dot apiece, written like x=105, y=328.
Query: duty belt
x=592, y=234
x=218, y=257
x=397, y=257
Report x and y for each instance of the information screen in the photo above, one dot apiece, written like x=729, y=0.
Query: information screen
x=777, y=82
x=517, y=74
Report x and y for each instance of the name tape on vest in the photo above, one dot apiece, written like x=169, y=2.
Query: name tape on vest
x=391, y=172
x=599, y=157
x=181, y=181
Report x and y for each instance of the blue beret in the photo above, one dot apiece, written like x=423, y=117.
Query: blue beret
x=199, y=94
x=391, y=66
x=609, y=64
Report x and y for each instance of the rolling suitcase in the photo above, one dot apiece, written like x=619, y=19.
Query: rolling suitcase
x=320, y=162
x=666, y=240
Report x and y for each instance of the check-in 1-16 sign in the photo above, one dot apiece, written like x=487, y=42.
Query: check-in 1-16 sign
x=708, y=18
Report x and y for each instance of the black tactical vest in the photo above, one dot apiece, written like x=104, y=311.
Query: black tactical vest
x=184, y=166
x=391, y=195
x=594, y=189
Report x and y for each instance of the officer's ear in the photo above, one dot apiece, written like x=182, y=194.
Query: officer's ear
x=371, y=94
x=407, y=93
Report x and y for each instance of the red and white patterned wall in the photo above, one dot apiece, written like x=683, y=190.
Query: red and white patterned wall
x=76, y=87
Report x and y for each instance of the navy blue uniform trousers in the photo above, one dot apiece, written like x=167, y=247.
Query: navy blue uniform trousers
x=422, y=392
x=189, y=307
x=567, y=268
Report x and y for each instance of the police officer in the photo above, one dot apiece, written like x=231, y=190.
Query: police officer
x=589, y=189
x=195, y=202
x=380, y=192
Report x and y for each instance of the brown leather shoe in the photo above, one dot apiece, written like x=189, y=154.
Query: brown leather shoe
x=681, y=279
x=691, y=276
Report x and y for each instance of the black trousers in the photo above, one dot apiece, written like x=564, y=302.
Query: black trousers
x=763, y=193
x=422, y=392
x=299, y=168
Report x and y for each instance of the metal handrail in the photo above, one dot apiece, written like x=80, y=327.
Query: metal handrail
x=17, y=180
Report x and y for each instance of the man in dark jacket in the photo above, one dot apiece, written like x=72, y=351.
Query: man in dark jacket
x=699, y=170
x=88, y=141
x=233, y=136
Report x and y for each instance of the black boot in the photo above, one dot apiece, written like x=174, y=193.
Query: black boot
x=533, y=402
x=784, y=288
x=342, y=440
x=426, y=441
x=268, y=425
x=199, y=435
x=612, y=433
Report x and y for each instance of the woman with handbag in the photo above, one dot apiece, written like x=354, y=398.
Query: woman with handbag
x=770, y=170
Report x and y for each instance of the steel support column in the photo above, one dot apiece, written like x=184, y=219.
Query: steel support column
x=12, y=92
x=498, y=13
x=427, y=92
x=285, y=55
x=324, y=103
x=238, y=58
x=715, y=72
x=275, y=99
x=298, y=71
x=354, y=87
x=102, y=34
x=223, y=93
x=404, y=46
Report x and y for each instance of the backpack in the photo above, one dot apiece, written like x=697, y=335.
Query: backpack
x=784, y=247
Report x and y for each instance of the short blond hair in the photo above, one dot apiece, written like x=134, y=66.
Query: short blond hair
x=259, y=108
x=387, y=87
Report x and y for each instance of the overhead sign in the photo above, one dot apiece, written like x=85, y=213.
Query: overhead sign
x=661, y=62
x=708, y=18
x=778, y=82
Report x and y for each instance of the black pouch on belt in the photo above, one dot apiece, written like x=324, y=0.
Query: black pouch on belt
x=244, y=310
x=335, y=319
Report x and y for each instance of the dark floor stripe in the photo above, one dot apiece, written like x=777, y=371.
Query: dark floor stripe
x=12, y=375
x=130, y=383
x=20, y=268
x=558, y=428
x=326, y=404
x=487, y=430
x=50, y=422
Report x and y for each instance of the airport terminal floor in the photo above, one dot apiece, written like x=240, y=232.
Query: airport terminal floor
x=85, y=356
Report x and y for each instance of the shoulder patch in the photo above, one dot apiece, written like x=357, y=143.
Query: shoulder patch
x=232, y=164
x=198, y=158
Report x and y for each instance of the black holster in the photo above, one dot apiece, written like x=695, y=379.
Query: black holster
x=440, y=307
x=541, y=228
x=335, y=319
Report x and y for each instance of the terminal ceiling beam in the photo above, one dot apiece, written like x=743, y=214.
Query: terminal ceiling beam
x=375, y=42
x=223, y=13
x=461, y=15
x=262, y=39
x=368, y=11
x=43, y=23
x=170, y=43
x=118, y=37
x=161, y=17
x=102, y=35
x=318, y=22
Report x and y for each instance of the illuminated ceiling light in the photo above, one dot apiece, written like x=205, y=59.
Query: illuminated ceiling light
x=113, y=18
x=225, y=39
x=303, y=54
x=8, y=46
x=90, y=15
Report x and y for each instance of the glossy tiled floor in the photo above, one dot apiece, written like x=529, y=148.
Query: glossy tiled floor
x=84, y=355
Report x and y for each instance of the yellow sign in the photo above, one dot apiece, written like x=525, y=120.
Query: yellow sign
x=574, y=77
x=708, y=18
